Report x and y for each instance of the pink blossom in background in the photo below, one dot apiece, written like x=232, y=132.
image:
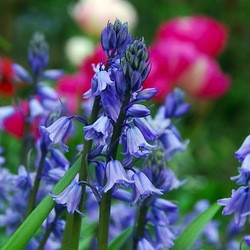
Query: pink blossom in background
x=208, y=35
x=204, y=79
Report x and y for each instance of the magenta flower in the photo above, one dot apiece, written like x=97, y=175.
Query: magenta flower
x=208, y=35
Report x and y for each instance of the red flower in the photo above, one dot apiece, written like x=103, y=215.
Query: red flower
x=6, y=77
x=208, y=35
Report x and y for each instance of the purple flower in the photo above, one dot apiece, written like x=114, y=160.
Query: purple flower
x=115, y=37
x=146, y=94
x=99, y=83
x=36, y=109
x=247, y=240
x=211, y=232
x=174, y=104
x=138, y=110
x=111, y=102
x=70, y=197
x=148, y=132
x=143, y=187
x=244, y=177
x=134, y=144
x=165, y=238
x=24, y=179
x=239, y=204
x=172, y=142
x=59, y=158
x=52, y=74
x=165, y=205
x=99, y=131
x=244, y=150
x=38, y=53
x=144, y=244
x=116, y=174
x=59, y=130
x=21, y=74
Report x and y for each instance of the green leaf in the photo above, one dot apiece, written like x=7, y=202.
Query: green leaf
x=120, y=240
x=28, y=228
x=193, y=230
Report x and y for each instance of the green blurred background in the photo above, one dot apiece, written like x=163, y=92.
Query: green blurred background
x=215, y=128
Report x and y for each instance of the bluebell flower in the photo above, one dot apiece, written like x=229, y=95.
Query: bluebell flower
x=165, y=237
x=59, y=158
x=134, y=144
x=244, y=177
x=59, y=130
x=111, y=102
x=165, y=205
x=21, y=74
x=35, y=107
x=115, y=37
x=211, y=232
x=99, y=83
x=123, y=195
x=52, y=74
x=70, y=197
x=138, y=110
x=38, y=55
x=247, y=240
x=147, y=130
x=2, y=159
x=172, y=142
x=145, y=94
x=175, y=105
x=143, y=187
x=99, y=131
x=244, y=150
x=239, y=204
x=144, y=244
x=24, y=180
x=115, y=174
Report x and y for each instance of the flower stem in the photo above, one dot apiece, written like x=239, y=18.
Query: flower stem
x=33, y=193
x=105, y=206
x=47, y=234
x=73, y=243
x=140, y=226
x=67, y=232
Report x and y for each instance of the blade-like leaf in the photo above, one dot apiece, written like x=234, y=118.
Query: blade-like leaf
x=188, y=237
x=28, y=228
x=119, y=241
x=88, y=232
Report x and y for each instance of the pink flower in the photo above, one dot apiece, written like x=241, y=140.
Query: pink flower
x=169, y=59
x=204, y=79
x=208, y=35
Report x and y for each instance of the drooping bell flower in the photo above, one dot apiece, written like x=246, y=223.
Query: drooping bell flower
x=208, y=35
x=70, y=197
x=116, y=174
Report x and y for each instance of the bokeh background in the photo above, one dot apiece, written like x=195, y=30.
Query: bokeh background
x=216, y=128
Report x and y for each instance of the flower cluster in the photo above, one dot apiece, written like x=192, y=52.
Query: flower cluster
x=238, y=203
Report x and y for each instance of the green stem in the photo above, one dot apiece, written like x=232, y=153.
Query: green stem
x=140, y=226
x=33, y=193
x=105, y=206
x=73, y=243
x=68, y=232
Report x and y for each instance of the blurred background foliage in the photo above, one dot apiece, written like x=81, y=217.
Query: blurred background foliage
x=215, y=128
